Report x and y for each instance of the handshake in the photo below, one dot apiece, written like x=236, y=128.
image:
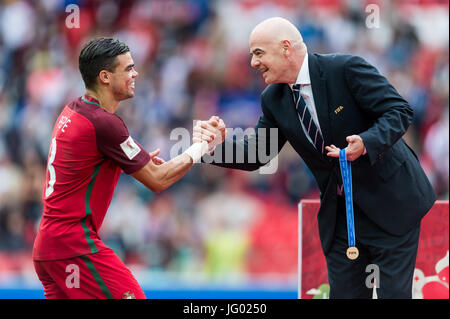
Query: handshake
x=212, y=132
x=207, y=135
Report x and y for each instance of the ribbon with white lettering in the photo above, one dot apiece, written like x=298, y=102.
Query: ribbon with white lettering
x=346, y=172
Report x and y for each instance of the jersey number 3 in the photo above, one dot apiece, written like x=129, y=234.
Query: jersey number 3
x=51, y=169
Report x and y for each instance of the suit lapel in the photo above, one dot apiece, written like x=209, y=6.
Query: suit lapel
x=319, y=88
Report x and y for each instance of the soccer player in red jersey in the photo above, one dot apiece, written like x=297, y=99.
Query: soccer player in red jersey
x=90, y=147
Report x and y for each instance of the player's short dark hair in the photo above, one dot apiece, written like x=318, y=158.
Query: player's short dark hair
x=99, y=54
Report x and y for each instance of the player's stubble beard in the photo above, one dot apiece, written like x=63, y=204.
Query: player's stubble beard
x=124, y=94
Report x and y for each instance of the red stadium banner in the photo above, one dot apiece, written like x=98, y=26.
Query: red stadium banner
x=431, y=273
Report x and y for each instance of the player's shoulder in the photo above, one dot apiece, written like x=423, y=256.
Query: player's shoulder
x=108, y=126
x=103, y=122
x=105, y=125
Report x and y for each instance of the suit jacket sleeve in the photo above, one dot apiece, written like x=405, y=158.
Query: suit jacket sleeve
x=379, y=100
x=254, y=150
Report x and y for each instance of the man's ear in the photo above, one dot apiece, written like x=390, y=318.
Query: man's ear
x=285, y=45
x=105, y=77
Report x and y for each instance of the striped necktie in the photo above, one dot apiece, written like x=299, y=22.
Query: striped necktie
x=307, y=120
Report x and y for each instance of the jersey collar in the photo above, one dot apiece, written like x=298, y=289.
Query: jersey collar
x=90, y=100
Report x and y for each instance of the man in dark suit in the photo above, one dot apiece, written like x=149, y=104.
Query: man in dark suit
x=320, y=104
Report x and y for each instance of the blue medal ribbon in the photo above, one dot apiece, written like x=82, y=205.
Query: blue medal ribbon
x=346, y=172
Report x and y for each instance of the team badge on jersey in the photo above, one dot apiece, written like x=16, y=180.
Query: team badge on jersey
x=130, y=148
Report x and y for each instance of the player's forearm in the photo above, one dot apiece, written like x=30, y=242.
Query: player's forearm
x=171, y=171
x=159, y=177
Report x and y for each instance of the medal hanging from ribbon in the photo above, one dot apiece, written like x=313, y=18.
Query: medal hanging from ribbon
x=346, y=172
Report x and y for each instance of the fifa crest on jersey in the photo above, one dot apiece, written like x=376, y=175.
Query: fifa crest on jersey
x=128, y=295
x=130, y=148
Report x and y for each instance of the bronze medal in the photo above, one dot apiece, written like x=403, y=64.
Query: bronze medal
x=352, y=253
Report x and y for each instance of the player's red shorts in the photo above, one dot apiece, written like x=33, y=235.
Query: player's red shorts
x=99, y=275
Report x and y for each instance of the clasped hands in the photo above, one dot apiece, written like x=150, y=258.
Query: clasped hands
x=214, y=130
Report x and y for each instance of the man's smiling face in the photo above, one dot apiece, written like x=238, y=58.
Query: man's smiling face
x=269, y=58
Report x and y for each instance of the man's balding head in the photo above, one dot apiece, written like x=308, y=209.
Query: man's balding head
x=277, y=29
x=277, y=50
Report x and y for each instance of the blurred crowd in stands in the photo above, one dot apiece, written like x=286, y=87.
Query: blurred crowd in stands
x=193, y=62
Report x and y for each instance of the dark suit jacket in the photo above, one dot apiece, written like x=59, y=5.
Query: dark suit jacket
x=351, y=97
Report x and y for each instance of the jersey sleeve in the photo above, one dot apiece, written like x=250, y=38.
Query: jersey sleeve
x=115, y=142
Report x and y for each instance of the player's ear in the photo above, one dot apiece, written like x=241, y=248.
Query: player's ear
x=105, y=77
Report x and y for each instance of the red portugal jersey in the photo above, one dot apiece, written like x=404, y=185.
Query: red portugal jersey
x=88, y=150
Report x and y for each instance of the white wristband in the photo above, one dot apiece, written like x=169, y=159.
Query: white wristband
x=197, y=150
